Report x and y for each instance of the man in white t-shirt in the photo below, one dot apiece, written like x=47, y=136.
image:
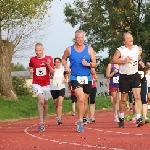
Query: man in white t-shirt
x=127, y=57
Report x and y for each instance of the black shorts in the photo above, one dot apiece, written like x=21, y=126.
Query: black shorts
x=56, y=93
x=86, y=87
x=92, y=95
x=148, y=90
x=127, y=82
x=73, y=98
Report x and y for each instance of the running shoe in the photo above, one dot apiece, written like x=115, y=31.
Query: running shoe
x=80, y=126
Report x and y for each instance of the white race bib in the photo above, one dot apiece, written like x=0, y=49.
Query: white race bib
x=82, y=79
x=41, y=71
x=134, y=62
x=116, y=79
x=57, y=83
x=141, y=73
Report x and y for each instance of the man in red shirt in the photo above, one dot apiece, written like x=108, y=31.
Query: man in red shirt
x=41, y=66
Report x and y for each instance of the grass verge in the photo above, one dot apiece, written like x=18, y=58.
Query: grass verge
x=26, y=107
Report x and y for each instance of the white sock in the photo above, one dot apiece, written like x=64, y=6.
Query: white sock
x=138, y=116
x=121, y=115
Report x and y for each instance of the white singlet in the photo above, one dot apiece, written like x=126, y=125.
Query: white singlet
x=129, y=68
x=57, y=83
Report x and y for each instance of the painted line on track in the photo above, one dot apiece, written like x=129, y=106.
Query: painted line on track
x=59, y=142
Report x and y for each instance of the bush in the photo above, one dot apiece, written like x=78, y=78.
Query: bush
x=20, y=87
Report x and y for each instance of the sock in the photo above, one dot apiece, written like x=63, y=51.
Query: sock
x=121, y=115
x=138, y=116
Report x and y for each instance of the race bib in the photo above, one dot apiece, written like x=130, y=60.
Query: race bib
x=116, y=79
x=57, y=83
x=92, y=82
x=41, y=71
x=82, y=79
x=141, y=73
x=133, y=63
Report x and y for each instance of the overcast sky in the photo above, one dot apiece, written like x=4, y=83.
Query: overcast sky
x=60, y=33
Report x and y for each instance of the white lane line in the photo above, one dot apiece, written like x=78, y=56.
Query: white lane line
x=60, y=142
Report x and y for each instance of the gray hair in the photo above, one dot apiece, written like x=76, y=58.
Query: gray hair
x=38, y=44
x=123, y=37
x=79, y=31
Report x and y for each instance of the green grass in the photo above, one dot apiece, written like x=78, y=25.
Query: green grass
x=26, y=107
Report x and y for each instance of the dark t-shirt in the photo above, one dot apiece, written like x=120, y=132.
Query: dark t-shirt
x=142, y=70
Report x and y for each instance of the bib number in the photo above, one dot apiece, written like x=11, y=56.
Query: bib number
x=82, y=79
x=116, y=79
x=57, y=83
x=141, y=73
x=133, y=63
x=41, y=71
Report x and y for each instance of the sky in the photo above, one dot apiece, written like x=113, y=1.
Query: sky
x=60, y=33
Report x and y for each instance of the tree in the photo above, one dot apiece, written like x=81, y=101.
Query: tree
x=17, y=67
x=14, y=13
x=105, y=21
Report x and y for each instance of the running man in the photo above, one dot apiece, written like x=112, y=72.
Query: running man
x=127, y=57
x=112, y=73
x=82, y=59
x=41, y=66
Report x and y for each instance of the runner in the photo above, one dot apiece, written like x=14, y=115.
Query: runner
x=127, y=57
x=41, y=66
x=142, y=71
x=107, y=85
x=73, y=98
x=82, y=59
x=93, y=95
x=58, y=88
x=112, y=73
x=148, y=87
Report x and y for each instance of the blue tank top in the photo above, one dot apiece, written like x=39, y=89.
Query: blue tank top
x=111, y=83
x=77, y=69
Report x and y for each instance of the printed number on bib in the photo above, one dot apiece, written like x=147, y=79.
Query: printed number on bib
x=41, y=71
x=115, y=79
x=82, y=79
x=57, y=83
x=141, y=73
x=133, y=63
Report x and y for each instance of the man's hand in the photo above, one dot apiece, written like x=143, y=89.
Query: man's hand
x=141, y=64
x=67, y=69
x=31, y=70
x=48, y=62
x=148, y=64
x=128, y=60
x=85, y=63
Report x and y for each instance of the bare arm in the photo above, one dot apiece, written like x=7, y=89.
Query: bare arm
x=65, y=57
x=109, y=74
x=116, y=60
x=93, y=63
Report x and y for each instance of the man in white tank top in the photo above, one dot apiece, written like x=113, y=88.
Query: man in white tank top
x=127, y=57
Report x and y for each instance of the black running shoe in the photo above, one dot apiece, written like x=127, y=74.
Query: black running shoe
x=121, y=123
x=139, y=122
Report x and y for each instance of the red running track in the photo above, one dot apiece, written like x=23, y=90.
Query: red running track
x=104, y=134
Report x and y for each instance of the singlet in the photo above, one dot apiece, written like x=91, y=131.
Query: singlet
x=148, y=79
x=57, y=83
x=77, y=69
x=93, y=81
x=114, y=80
x=41, y=74
x=129, y=68
x=141, y=70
